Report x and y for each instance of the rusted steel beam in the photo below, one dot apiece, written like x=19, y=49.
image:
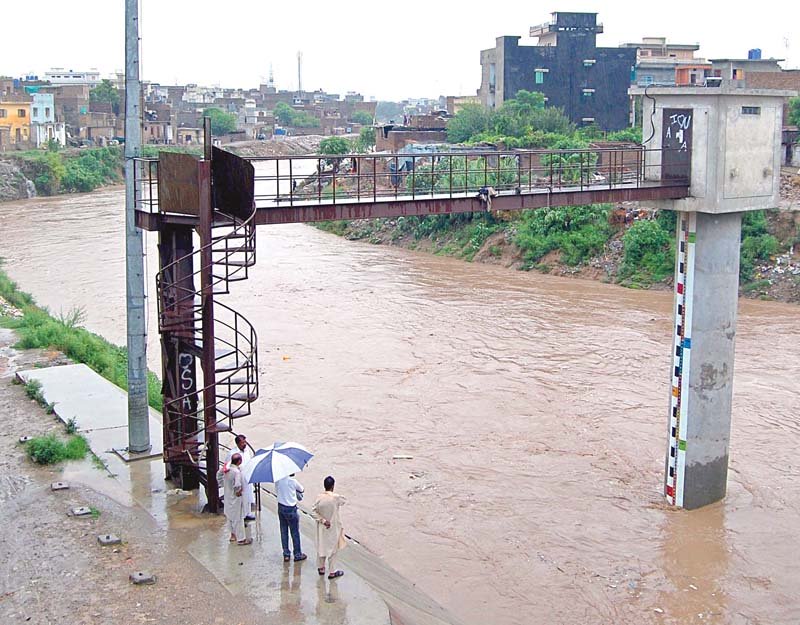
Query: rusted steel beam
x=440, y=206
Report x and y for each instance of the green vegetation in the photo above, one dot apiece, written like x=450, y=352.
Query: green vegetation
x=152, y=151
x=649, y=253
x=757, y=244
x=578, y=232
x=365, y=141
x=38, y=329
x=287, y=116
x=525, y=122
x=51, y=450
x=794, y=111
x=106, y=92
x=361, y=117
x=68, y=171
x=222, y=123
x=334, y=145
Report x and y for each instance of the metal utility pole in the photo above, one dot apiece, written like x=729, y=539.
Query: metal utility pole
x=138, y=413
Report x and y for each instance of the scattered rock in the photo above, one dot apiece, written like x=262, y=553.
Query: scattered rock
x=142, y=577
x=109, y=539
x=59, y=486
x=25, y=439
x=81, y=511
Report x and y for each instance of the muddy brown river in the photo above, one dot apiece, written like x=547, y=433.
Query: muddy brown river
x=534, y=408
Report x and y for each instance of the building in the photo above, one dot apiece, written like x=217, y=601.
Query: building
x=589, y=83
x=667, y=64
x=44, y=127
x=15, y=121
x=58, y=76
x=738, y=69
x=454, y=103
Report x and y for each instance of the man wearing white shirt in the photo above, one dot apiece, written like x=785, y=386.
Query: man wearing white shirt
x=249, y=490
x=287, y=490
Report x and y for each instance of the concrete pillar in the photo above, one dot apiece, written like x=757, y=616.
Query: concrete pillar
x=706, y=299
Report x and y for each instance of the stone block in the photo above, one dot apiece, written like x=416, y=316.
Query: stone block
x=109, y=539
x=81, y=511
x=143, y=577
x=25, y=439
x=59, y=486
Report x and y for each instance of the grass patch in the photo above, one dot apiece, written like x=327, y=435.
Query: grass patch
x=51, y=450
x=758, y=285
x=38, y=329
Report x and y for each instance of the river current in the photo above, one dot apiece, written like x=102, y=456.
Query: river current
x=533, y=408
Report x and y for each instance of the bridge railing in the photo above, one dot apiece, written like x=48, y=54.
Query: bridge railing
x=354, y=178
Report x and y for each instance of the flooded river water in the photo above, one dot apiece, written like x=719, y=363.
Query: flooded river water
x=534, y=408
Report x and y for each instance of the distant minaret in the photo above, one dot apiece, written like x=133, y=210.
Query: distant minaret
x=271, y=82
x=299, y=74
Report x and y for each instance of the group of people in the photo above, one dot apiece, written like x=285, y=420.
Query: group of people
x=240, y=502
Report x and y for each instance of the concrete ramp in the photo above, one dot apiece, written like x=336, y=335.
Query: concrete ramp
x=99, y=407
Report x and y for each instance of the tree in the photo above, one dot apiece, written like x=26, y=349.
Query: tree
x=284, y=113
x=361, y=117
x=222, y=123
x=106, y=92
x=334, y=145
x=365, y=141
x=794, y=111
x=471, y=120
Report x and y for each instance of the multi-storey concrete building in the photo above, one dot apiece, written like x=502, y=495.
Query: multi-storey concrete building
x=589, y=83
x=44, y=127
x=667, y=64
x=15, y=120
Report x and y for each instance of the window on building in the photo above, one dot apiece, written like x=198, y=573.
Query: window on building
x=738, y=74
x=47, y=111
x=646, y=79
x=20, y=112
x=35, y=112
x=751, y=110
x=539, y=74
x=3, y=113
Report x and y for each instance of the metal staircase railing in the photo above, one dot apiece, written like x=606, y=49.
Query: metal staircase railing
x=180, y=320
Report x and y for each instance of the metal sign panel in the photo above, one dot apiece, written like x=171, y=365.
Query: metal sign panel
x=178, y=188
x=233, y=184
x=676, y=143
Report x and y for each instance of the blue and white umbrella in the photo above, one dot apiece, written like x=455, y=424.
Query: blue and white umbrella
x=276, y=462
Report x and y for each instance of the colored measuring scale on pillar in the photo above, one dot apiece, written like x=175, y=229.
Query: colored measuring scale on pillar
x=682, y=349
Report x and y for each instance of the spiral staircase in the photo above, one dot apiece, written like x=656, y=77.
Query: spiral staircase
x=230, y=376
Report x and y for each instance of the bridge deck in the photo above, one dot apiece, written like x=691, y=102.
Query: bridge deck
x=322, y=188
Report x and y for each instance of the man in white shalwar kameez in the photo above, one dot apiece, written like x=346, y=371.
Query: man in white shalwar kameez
x=250, y=489
x=233, y=484
x=330, y=533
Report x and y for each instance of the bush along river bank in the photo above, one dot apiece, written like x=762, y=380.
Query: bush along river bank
x=624, y=244
x=37, y=328
x=55, y=171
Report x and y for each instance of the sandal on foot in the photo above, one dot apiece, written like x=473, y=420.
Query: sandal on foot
x=249, y=541
x=335, y=574
x=286, y=558
x=321, y=571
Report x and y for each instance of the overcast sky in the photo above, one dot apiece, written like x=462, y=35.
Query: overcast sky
x=394, y=50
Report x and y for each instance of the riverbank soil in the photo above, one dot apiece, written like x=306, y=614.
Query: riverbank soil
x=52, y=569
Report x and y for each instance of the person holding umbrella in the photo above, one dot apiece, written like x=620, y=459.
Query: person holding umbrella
x=330, y=533
x=289, y=491
x=278, y=464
